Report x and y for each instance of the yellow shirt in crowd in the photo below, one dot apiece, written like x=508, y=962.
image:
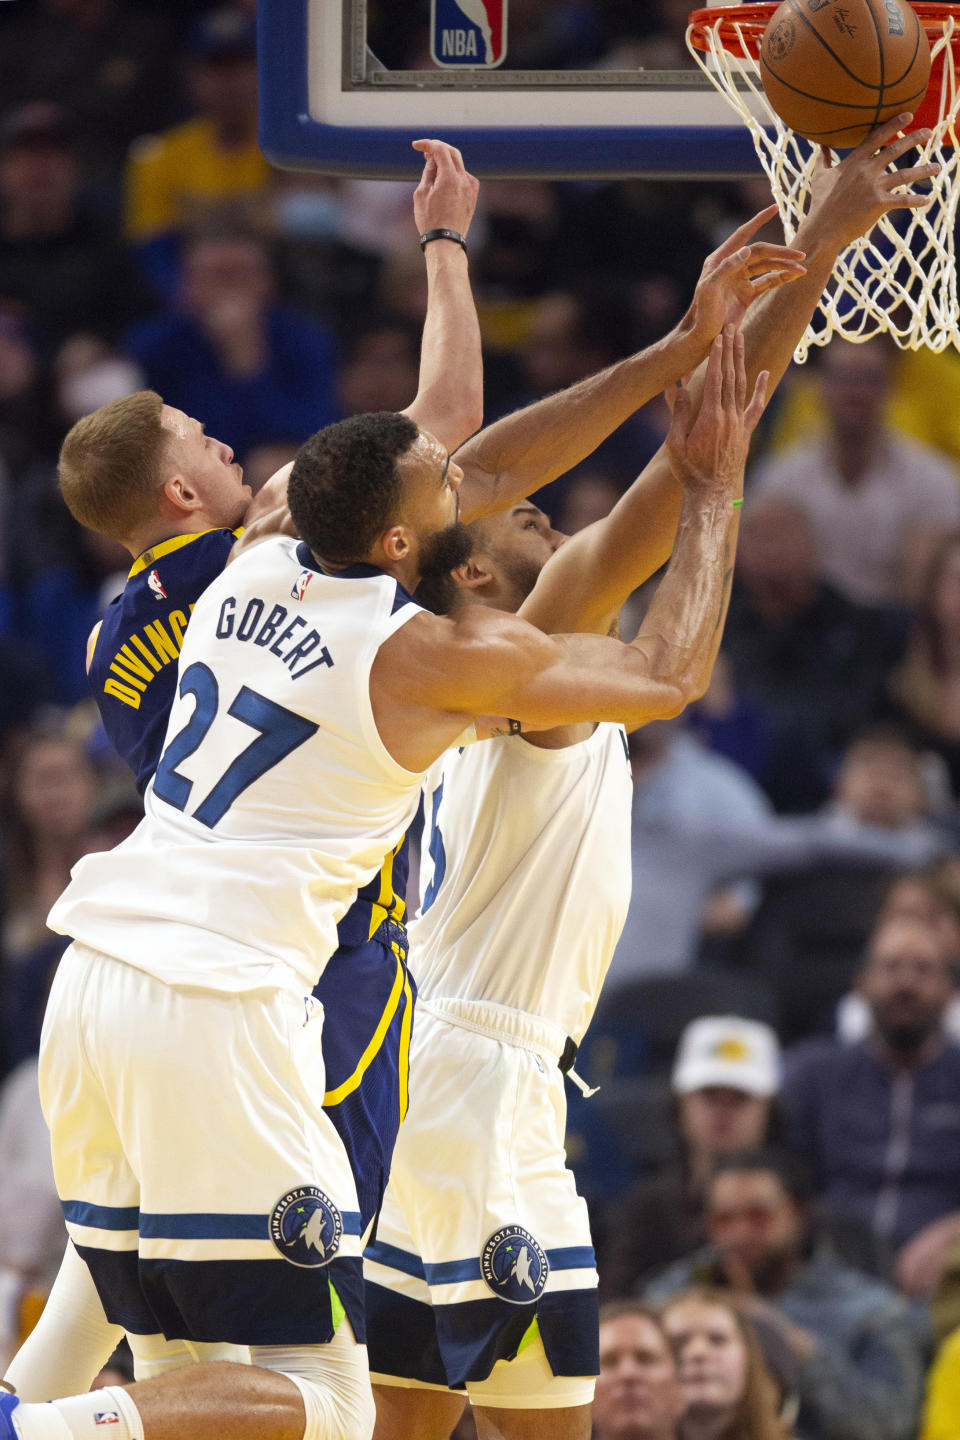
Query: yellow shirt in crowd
x=173, y=178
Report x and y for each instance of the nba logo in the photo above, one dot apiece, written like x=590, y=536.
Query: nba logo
x=468, y=32
x=299, y=587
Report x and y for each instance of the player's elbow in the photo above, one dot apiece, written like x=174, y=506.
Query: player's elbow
x=669, y=700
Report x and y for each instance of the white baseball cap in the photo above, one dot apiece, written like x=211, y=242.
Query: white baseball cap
x=727, y=1050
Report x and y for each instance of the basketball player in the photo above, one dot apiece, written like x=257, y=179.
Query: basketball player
x=181, y=1073
x=180, y=537
x=481, y=1280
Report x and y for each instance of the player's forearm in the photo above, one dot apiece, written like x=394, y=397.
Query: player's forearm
x=531, y=447
x=775, y=324
x=682, y=630
x=449, y=401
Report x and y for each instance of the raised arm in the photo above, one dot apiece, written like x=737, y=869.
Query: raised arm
x=523, y=451
x=847, y=201
x=449, y=400
x=434, y=674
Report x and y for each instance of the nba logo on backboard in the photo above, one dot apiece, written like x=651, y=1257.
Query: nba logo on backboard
x=468, y=32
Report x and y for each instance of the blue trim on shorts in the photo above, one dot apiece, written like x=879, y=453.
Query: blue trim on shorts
x=450, y=1272
x=101, y=1217
x=183, y=1227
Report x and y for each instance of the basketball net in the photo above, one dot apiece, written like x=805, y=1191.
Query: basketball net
x=899, y=279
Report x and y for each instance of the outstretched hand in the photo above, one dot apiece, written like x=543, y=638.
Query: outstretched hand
x=709, y=454
x=736, y=273
x=446, y=197
x=848, y=197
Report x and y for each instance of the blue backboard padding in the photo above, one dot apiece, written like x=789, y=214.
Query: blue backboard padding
x=290, y=138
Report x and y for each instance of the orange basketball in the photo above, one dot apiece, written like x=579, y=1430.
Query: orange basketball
x=835, y=69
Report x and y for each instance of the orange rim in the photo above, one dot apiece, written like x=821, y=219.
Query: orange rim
x=750, y=21
x=741, y=29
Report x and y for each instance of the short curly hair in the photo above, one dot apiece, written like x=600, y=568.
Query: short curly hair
x=345, y=487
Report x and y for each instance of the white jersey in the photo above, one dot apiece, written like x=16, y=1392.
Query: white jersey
x=525, y=875
x=275, y=798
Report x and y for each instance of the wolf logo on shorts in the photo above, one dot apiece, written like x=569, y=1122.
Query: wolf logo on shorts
x=306, y=1227
x=514, y=1265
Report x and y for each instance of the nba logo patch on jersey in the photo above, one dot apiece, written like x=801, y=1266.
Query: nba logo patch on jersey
x=156, y=585
x=514, y=1265
x=306, y=1227
x=468, y=32
x=106, y=1417
x=299, y=586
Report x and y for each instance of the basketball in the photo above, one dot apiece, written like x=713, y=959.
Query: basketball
x=835, y=69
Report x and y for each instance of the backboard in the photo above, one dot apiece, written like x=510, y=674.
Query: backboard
x=329, y=103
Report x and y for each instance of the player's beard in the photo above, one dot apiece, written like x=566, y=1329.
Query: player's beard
x=445, y=550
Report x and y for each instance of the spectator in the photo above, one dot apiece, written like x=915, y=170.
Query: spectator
x=858, y=1367
x=699, y=823
x=808, y=935
x=810, y=658
x=64, y=267
x=725, y=1078
x=53, y=792
x=877, y=501
x=638, y=1395
x=927, y=896
x=924, y=689
x=175, y=179
x=254, y=371
x=728, y=1390
x=879, y=1120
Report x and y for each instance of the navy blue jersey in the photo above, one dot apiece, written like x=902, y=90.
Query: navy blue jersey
x=135, y=648
x=133, y=674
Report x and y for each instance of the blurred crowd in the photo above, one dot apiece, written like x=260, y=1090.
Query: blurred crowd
x=773, y=1159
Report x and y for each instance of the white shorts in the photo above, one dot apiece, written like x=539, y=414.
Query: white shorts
x=483, y=1248
x=200, y=1178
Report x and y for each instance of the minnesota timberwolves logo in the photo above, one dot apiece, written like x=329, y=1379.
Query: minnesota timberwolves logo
x=514, y=1266
x=306, y=1227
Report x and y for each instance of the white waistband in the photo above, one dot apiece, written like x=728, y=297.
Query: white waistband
x=500, y=1022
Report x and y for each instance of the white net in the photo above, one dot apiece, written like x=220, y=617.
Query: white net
x=901, y=278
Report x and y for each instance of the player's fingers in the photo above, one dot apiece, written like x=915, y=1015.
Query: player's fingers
x=757, y=400
x=740, y=372
x=713, y=379
x=879, y=137
x=749, y=227
x=729, y=388
x=762, y=283
x=903, y=143
x=913, y=174
x=909, y=201
x=762, y=251
x=827, y=157
x=424, y=146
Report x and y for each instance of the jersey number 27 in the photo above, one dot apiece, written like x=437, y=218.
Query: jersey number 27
x=280, y=732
